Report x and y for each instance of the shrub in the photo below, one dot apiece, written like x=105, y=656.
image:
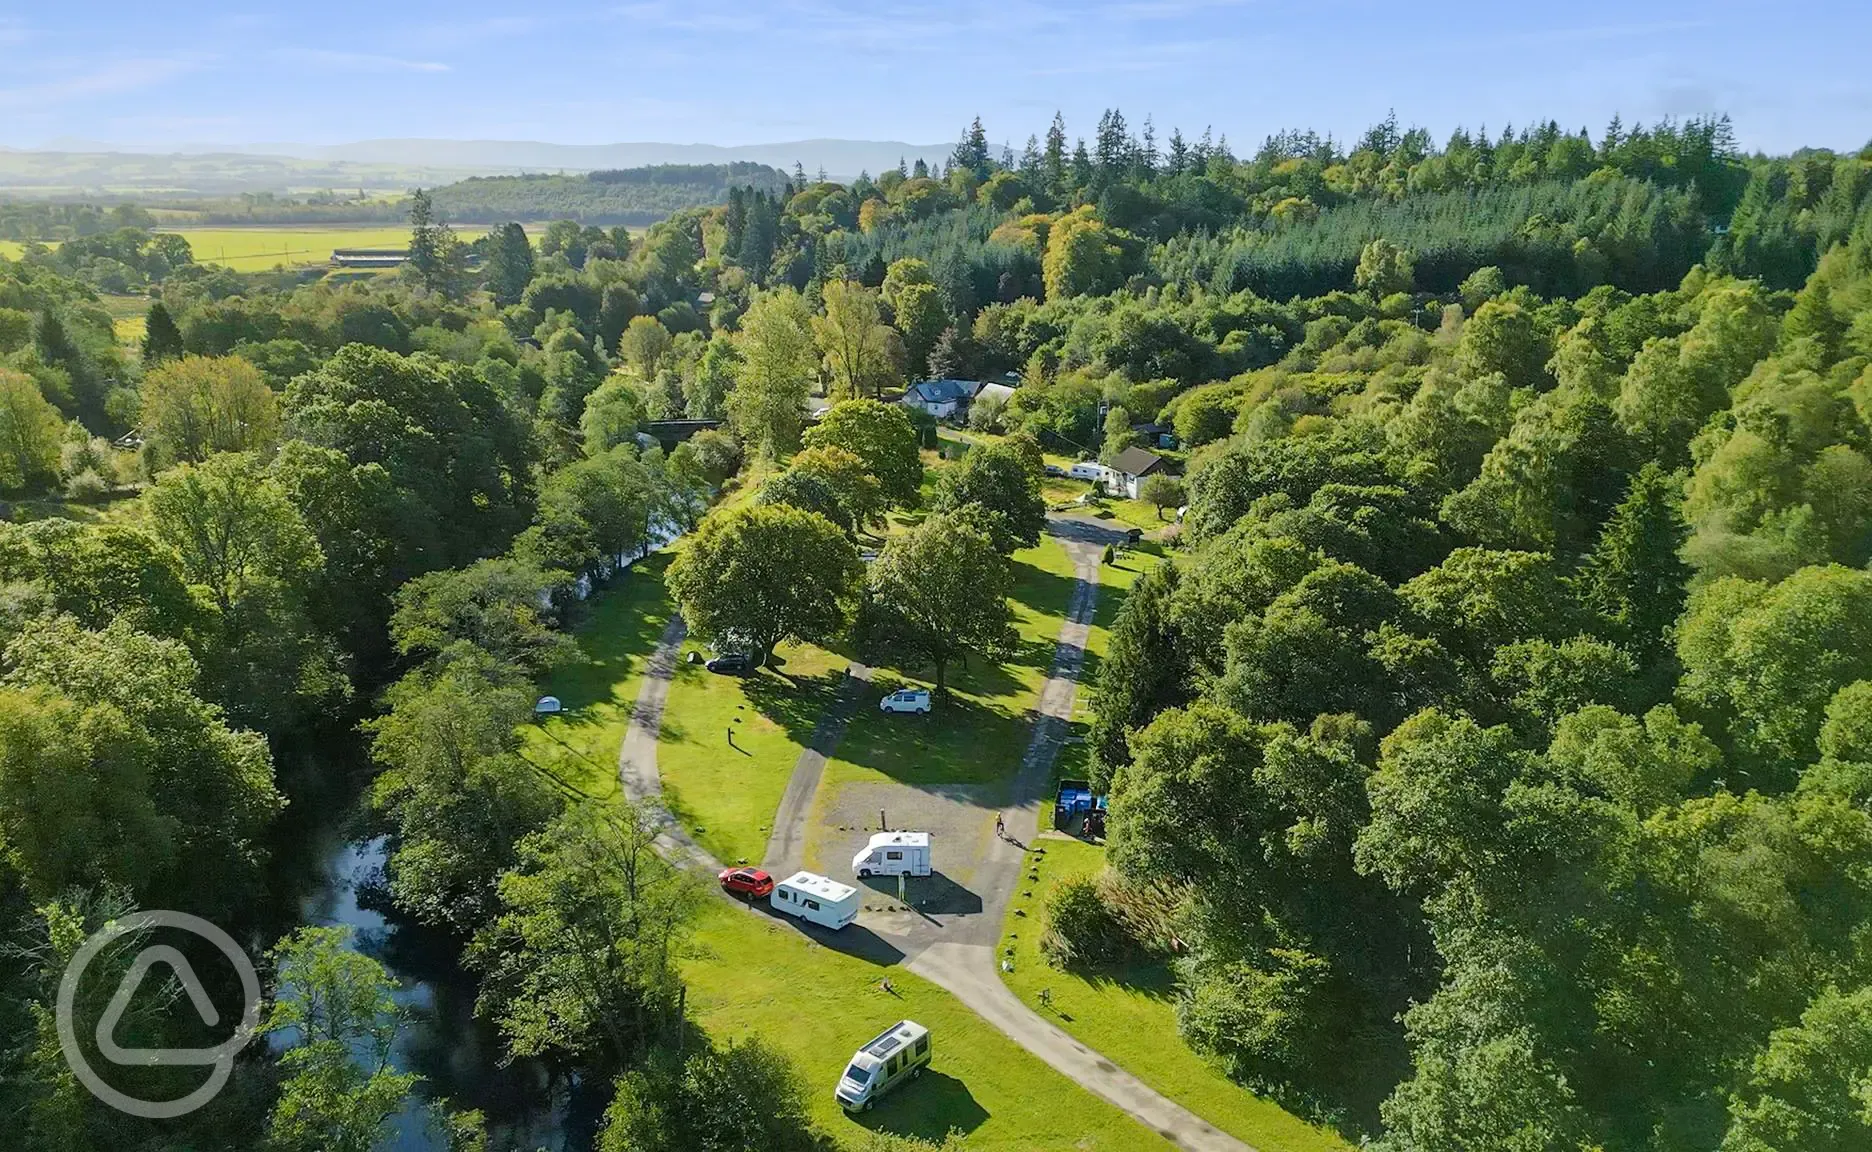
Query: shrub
x=1082, y=931
x=87, y=486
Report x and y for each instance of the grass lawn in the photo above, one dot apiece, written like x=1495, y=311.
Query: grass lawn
x=755, y=977
x=976, y=735
x=726, y=797
x=617, y=635
x=1129, y=1016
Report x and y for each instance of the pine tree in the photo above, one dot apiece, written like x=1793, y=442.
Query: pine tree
x=735, y=224
x=1634, y=579
x=162, y=340
x=509, y=264
x=1053, y=165
x=971, y=152
x=1144, y=671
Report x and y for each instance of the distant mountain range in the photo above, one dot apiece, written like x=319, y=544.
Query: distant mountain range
x=71, y=167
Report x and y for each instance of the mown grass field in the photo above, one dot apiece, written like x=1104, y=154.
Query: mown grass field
x=726, y=795
x=1129, y=1016
x=259, y=248
x=617, y=635
x=753, y=976
x=976, y=735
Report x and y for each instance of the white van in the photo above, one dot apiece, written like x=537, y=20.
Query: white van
x=900, y=1053
x=1087, y=470
x=894, y=853
x=813, y=897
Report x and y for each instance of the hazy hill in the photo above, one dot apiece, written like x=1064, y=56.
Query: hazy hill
x=614, y=196
x=81, y=168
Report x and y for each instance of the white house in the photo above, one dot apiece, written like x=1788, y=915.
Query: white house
x=941, y=398
x=1128, y=470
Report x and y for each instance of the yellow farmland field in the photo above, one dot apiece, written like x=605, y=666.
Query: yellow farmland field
x=255, y=249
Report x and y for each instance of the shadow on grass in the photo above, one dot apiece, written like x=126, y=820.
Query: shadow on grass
x=614, y=630
x=795, y=703
x=853, y=940
x=1153, y=978
x=962, y=742
x=1048, y=593
x=926, y=1108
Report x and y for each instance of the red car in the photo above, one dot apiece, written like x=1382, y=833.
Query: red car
x=749, y=882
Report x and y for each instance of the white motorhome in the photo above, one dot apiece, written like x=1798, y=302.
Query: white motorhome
x=817, y=899
x=898, y=1054
x=893, y=854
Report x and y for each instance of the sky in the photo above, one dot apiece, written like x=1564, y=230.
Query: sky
x=1790, y=73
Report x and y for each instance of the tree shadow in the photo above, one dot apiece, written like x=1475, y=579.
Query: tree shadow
x=962, y=741
x=926, y=1108
x=616, y=629
x=795, y=703
x=1048, y=593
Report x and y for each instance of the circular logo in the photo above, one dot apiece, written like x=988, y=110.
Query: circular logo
x=220, y=1057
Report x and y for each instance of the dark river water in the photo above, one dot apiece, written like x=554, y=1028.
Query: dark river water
x=330, y=870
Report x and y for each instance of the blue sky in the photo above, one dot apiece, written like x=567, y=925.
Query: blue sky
x=327, y=71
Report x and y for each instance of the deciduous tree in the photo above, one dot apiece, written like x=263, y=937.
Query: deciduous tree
x=767, y=404
x=199, y=405
x=935, y=593
x=882, y=437
x=757, y=576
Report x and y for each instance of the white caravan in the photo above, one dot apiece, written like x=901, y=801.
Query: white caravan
x=894, y=854
x=1087, y=470
x=900, y=1053
x=815, y=898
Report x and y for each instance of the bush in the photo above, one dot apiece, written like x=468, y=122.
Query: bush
x=1081, y=930
x=87, y=487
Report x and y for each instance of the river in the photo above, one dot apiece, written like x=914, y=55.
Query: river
x=336, y=882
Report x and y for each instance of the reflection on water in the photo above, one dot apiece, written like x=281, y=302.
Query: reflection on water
x=457, y=1055
x=440, y=1040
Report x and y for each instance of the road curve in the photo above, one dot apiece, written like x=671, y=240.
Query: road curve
x=963, y=967
x=965, y=964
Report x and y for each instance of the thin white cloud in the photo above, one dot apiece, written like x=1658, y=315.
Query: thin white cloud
x=105, y=79
x=360, y=61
